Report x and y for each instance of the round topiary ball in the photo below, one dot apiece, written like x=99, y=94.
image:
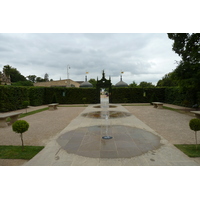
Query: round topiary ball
x=195, y=124
x=20, y=126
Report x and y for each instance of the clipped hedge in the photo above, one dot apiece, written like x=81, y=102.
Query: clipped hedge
x=175, y=95
x=137, y=95
x=70, y=95
x=36, y=95
x=12, y=98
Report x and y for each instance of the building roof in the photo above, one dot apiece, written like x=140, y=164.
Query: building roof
x=86, y=84
x=121, y=83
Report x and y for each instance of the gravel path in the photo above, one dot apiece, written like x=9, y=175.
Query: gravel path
x=172, y=125
x=43, y=126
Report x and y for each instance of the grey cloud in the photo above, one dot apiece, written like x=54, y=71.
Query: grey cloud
x=138, y=54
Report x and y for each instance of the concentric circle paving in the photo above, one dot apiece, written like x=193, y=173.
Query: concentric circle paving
x=126, y=142
x=111, y=114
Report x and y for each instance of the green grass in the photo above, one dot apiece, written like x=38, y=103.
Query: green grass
x=16, y=152
x=189, y=149
x=73, y=105
x=168, y=108
x=33, y=112
x=142, y=104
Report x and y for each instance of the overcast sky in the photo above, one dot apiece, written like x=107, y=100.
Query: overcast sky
x=141, y=56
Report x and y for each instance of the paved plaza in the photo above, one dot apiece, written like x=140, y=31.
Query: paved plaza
x=133, y=143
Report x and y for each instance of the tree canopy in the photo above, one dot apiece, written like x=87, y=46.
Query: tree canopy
x=145, y=84
x=134, y=84
x=187, y=46
x=167, y=80
x=93, y=82
x=14, y=74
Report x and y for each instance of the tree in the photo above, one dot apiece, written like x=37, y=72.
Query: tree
x=145, y=84
x=186, y=45
x=32, y=78
x=22, y=83
x=20, y=126
x=39, y=79
x=167, y=80
x=14, y=74
x=195, y=126
x=134, y=84
x=93, y=82
x=46, y=77
x=187, y=73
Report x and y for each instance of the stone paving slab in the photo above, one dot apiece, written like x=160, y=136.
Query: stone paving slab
x=54, y=155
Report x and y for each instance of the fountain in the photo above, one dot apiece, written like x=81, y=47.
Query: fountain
x=105, y=115
x=106, y=139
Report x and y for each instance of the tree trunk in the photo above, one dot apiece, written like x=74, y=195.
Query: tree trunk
x=22, y=141
x=196, y=138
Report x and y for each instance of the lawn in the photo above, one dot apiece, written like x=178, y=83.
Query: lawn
x=16, y=152
x=189, y=149
x=33, y=112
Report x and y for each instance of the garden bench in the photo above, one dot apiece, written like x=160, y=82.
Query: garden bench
x=197, y=113
x=157, y=104
x=13, y=117
x=53, y=106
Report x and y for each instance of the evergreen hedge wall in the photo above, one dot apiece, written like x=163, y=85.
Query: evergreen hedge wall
x=70, y=95
x=177, y=96
x=36, y=95
x=137, y=95
x=12, y=98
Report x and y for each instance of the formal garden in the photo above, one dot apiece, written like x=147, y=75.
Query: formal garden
x=180, y=87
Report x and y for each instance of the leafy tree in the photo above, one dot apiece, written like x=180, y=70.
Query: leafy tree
x=20, y=126
x=134, y=84
x=167, y=80
x=23, y=83
x=145, y=84
x=32, y=78
x=93, y=82
x=195, y=126
x=187, y=73
x=14, y=74
x=46, y=77
x=39, y=79
x=186, y=45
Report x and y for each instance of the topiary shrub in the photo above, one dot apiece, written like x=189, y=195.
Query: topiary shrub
x=195, y=126
x=20, y=126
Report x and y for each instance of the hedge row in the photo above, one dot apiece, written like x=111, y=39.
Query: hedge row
x=12, y=97
x=71, y=95
x=188, y=98
x=137, y=95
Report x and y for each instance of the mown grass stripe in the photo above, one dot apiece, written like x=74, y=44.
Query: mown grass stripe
x=17, y=152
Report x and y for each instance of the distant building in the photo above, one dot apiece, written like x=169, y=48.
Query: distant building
x=59, y=83
x=4, y=80
x=86, y=84
x=121, y=83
